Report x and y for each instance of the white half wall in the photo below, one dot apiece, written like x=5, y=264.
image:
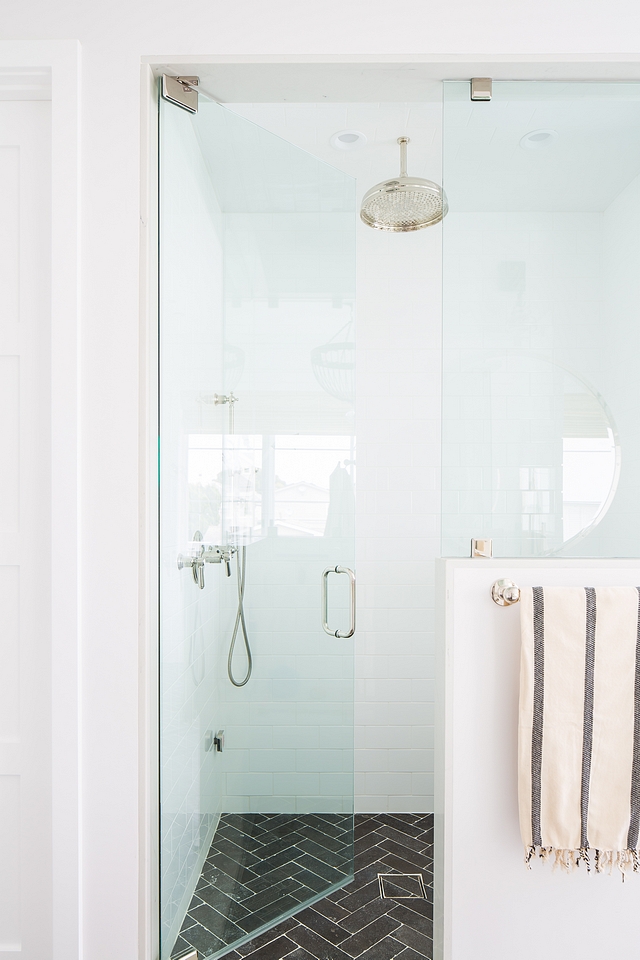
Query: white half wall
x=488, y=906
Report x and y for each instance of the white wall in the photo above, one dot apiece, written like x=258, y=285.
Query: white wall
x=113, y=38
x=26, y=741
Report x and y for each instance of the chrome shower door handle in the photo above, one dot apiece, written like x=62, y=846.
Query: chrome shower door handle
x=325, y=602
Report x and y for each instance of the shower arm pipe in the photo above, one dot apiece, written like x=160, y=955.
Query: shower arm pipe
x=403, y=141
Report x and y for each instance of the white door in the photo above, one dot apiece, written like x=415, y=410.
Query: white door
x=488, y=906
x=25, y=512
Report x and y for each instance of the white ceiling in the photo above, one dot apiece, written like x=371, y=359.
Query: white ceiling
x=595, y=156
x=311, y=125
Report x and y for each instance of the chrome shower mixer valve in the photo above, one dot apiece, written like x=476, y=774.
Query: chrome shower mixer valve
x=220, y=555
x=201, y=553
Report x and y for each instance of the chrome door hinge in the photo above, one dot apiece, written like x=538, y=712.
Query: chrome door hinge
x=481, y=88
x=181, y=91
x=482, y=548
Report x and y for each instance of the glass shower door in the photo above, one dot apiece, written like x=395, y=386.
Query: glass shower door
x=541, y=338
x=257, y=473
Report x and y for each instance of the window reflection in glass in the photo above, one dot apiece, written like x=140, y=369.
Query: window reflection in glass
x=244, y=487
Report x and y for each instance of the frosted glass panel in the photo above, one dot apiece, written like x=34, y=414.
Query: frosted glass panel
x=541, y=324
x=257, y=473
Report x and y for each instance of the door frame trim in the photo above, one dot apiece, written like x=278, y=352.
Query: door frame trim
x=62, y=59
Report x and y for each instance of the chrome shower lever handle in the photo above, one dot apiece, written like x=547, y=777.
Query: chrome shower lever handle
x=203, y=553
x=196, y=564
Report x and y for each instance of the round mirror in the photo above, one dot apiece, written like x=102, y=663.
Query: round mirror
x=555, y=456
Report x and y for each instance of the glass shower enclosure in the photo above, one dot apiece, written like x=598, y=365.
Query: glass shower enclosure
x=256, y=526
x=541, y=327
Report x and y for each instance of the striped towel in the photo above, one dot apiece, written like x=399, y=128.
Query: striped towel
x=579, y=726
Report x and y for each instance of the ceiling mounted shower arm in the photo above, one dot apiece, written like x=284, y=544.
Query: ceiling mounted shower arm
x=403, y=141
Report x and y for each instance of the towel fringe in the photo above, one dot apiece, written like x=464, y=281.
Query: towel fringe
x=604, y=860
x=583, y=855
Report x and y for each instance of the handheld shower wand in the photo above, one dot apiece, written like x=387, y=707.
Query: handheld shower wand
x=241, y=569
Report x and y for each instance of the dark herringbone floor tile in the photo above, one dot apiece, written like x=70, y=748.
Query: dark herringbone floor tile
x=261, y=866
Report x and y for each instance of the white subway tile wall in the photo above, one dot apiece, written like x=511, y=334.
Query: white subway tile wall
x=288, y=732
x=398, y=438
x=398, y=429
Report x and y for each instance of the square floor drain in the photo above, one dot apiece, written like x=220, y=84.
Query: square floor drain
x=402, y=886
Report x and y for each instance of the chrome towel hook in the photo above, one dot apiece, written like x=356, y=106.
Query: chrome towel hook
x=505, y=593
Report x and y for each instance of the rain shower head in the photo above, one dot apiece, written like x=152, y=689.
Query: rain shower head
x=405, y=203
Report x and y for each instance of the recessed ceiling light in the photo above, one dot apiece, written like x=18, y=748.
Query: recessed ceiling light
x=538, y=138
x=348, y=140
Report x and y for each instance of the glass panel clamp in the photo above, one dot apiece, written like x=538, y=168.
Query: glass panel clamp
x=482, y=548
x=481, y=88
x=181, y=91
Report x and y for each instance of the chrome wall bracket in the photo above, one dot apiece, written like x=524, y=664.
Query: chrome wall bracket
x=231, y=399
x=220, y=398
x=505, y=593
x=181, y=91
x=481, y=88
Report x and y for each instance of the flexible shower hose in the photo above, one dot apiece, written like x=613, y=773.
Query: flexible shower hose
x=241, y=570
